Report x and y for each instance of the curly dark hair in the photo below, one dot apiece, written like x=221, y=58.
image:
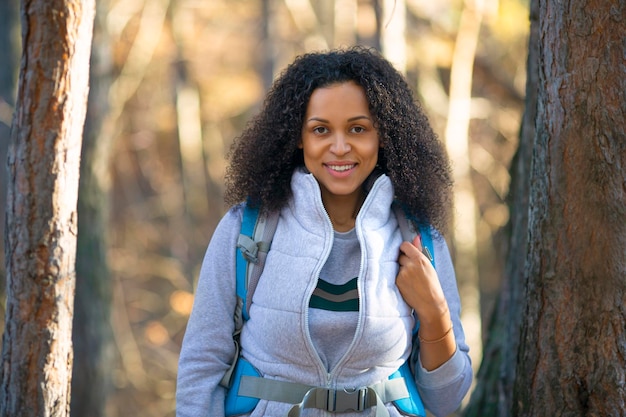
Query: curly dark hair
x=264, y=157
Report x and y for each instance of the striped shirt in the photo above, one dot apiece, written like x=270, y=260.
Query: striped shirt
x=334, y=305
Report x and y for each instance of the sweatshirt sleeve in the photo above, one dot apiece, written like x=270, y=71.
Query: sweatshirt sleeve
x=444, y=388
x=207, y=349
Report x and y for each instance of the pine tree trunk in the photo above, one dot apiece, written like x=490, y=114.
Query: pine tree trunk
x=572, y=358
x=41, y=215
x=570, y=279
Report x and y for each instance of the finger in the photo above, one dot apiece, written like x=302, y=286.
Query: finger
x=410, y=249
x=403, y=259
x=417, y=242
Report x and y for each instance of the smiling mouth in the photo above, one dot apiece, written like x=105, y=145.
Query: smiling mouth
x=341, y=168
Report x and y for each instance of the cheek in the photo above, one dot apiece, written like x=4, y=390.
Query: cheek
x=311, y=148
x=375, y=149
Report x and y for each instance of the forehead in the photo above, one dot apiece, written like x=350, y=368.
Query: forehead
x=338, y=96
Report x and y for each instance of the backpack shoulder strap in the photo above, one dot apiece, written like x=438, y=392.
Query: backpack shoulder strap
x=427, y=244
x=255, y=240
x=253, y=244
x=407, y=229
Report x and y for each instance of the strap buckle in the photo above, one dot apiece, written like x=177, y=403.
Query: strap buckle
x=248, y=247
x=340, y=401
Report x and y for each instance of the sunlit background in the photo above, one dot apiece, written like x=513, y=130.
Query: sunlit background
x=176, y=80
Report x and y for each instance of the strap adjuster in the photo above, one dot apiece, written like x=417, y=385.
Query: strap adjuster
x=340, y=401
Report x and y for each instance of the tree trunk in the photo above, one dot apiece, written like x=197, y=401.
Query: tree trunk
x=91, y=333
x=41, y=215
x=572, y=358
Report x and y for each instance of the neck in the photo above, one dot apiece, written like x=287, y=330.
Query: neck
x=343, y=210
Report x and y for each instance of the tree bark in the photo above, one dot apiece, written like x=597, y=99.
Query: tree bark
x=41, y=218
x=566, y=262
x=572, y=358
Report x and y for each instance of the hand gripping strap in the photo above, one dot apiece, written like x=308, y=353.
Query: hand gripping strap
x=427, y=244
x=408, y=232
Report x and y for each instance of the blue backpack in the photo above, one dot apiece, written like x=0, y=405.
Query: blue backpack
x=245, y=384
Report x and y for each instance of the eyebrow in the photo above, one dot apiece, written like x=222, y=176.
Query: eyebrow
x=352, y=119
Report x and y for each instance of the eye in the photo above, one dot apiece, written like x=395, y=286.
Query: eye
x=320, y=130
x=357, y=129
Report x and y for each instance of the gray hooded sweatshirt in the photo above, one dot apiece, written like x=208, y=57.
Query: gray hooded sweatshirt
x=277, y=338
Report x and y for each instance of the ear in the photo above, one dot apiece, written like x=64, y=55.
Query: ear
x=300, y=146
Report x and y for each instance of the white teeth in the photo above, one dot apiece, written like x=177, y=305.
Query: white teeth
x=340, y=168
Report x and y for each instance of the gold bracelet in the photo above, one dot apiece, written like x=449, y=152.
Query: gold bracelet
x=437, y=340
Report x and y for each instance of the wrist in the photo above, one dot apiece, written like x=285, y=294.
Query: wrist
x=435, y=326
x=434, y=314
x=439, y=339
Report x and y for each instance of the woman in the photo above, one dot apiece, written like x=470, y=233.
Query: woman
x=338, y=140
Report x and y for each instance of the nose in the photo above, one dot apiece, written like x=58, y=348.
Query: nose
x=340, y=145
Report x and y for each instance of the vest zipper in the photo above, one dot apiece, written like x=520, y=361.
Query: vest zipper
x=330, y=375
x=359, y=325
x=323, y=259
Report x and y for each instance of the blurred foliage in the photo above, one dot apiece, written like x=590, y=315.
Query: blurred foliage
x=188, y=74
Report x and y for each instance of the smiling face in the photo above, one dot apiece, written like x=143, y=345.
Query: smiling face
x=339, y=142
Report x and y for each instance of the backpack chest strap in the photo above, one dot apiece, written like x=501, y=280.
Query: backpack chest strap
x=336, y=401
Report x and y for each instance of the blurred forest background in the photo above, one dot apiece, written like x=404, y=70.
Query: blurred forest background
x=174, y=81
